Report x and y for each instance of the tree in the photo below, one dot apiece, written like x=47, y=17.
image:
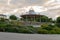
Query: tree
x=44, y=18
x=58, y=20
x=50, y=20
x=13, y=17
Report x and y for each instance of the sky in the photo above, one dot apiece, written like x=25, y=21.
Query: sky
x=50, y=8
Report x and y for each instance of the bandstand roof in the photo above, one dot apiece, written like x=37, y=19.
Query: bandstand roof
x=31, y=13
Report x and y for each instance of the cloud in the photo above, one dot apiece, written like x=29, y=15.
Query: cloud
x=10, y=5
x=28, y=2
x=22, y=2
x=48, y=7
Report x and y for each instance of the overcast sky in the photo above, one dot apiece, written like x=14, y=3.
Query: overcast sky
x=46, y=7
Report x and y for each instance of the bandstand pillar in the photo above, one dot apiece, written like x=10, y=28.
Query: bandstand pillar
x=40, y=18
x=26, y=18
x=34, y=18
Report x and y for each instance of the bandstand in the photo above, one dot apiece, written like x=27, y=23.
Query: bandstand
x=32, y=18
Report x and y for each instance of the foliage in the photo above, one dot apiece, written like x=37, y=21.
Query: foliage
x=58, y=20
x=13, y=17
x=42, y=31
x=16, y=26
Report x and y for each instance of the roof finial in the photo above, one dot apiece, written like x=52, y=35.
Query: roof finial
x=31, y=8
x=31, y=11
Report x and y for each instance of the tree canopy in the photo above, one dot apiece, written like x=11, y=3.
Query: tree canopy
x=13, y=17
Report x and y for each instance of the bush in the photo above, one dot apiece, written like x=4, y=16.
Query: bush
x=42, y=31
x=47, y=26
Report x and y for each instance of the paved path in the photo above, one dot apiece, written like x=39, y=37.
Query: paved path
x=16, y=36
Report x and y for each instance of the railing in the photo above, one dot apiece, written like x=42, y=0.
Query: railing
x=35, y=23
